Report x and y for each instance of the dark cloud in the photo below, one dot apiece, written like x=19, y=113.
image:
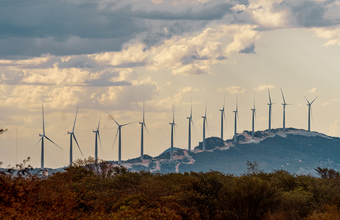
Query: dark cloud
x=249, y=49
x=61, y=27
x=216, y=12
x=310, y=14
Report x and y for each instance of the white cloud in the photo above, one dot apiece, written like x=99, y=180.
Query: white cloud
x=266, y=15
x=263, y=87
x=130, y=54
x=243, y=36
x=233, y=90
x=192, y=69
x=333, y=128
x=313, y=90
x=332, y=34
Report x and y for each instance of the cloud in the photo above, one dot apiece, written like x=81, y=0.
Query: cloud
x=192, y=69
x=233, y=90
x=310, y=14
x=129, y=55
x=249, y=49
x=263, y=87
x=268, y=14
x=332, y=34
x=313, y=90
x=333, y=128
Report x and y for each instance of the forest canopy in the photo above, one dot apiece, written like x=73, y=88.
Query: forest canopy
x=91, y=190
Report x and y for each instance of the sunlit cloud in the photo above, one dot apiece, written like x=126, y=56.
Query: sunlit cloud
x=313, y=90
x=264, y=87
x=233, y=90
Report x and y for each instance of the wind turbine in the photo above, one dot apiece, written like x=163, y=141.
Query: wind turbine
x=309, y=110
x=270, y=112
x=42, y=140
x=71, y=141
x=235, y=125
x=284, y=111
x=190, y=122
x=119, y=131
x=97, y=136
x=204, y=121
x=172, y=134
x=253, y=120
x=222, y=118
x=142, y=134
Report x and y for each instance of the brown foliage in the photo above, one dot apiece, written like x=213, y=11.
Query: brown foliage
x=97, y=190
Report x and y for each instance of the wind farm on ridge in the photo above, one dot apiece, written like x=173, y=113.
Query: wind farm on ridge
x=172, y=129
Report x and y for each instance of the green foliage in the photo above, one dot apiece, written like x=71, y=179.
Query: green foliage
x=92, y=189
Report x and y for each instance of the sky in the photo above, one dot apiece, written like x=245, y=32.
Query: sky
x=111, y=55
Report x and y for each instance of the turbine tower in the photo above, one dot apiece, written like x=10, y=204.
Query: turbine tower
x=284, y=112
x=72, y=136
x=309, y=110
x=190, y=122
x=270, y=113
x=204, y=121
x=142, y=134
x=253, y=120
x=97, y=136
x=119, y=132
x=222, y=118
x=172, y=134
x=42, y=140
x=235, y=125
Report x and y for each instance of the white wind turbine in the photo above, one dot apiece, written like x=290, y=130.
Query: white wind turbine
x=284, y=112
x=222, y=118
x=72, y=136
x=97, y=136
x=119, y=131
x=204, y=121
x=309, y=110
x=253, y=122
x=270, y=113
x=172, y=134
x=190, y=123
x=235, y=124
x=42, y=140
x=142, y=134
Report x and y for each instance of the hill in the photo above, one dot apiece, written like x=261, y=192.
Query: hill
x=296, y=150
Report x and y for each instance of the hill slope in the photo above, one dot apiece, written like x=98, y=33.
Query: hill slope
x=296, y=151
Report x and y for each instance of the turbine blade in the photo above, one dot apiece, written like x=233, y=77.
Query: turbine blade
x=146, y=128
x=223, y=103
x=115, y=138
x=206, y=120
x=128, y=123
x=306, y=99
x=111, y=117
x=42, y=107
x=193, y=125
x=270, y=100
x=99, y=120
x=225, y=120
x=314, y=100
x=311, y=112
x=74, y=124
x=36, y=144
x=173, y=113
x=143, y=111
x=77, y=144
x=191, y=109
x=284, y=101
x=53, y=142
x=100, y=142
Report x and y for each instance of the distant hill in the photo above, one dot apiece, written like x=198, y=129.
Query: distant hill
x=296, y=150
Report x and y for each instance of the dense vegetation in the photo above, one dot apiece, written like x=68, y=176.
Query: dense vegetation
x=115, y=193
